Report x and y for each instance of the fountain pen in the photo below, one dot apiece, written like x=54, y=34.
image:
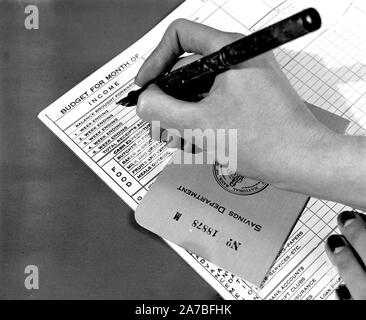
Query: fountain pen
x=192, y=80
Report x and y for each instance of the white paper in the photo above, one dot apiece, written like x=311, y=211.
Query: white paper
x=326, y=68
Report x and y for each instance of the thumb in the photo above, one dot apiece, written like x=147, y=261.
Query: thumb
x=154, y=105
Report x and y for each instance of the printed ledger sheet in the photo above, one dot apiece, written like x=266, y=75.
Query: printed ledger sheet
x=326, y=68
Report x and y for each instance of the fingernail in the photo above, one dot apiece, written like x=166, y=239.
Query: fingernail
x=194, y=149
x=163, y=135
x=336, y=243
x=181, y=144
x=346, y=218
x=343, y=292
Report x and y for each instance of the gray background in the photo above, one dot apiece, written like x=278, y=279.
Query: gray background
x=54, y=212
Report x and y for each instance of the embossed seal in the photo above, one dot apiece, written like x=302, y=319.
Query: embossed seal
x=236, y=183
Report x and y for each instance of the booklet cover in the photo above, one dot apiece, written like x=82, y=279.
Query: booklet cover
x=235, y=222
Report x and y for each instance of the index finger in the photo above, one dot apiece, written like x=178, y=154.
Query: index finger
x=182, y=36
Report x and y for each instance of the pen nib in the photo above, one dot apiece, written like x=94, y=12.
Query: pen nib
x=123, y=102
x=130, y=100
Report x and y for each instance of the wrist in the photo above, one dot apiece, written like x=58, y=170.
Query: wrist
x=331, y=167
x=309, y=159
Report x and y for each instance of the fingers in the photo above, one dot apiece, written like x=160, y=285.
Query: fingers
x=343, y=293
x=172, y=141
x=351, y=271
x=186, y=60
x=155, y=105
x=353, y=227
x=182, y=36
x=178, y=142
x=343, y=254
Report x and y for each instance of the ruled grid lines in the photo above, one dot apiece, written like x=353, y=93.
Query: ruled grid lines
x=318, y=84
x=328, y=71
x=337, y=84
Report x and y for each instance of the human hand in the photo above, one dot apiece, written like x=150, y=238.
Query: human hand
x=348, y=253
x=275, y=130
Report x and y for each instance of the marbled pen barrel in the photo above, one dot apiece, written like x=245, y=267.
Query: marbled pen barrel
x=271, y=37
x=195, y=78
x=198, y=76
x=190, y=81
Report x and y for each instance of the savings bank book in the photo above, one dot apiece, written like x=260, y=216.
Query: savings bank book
x=237, y=223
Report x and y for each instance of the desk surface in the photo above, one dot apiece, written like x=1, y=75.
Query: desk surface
x=54, y=212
